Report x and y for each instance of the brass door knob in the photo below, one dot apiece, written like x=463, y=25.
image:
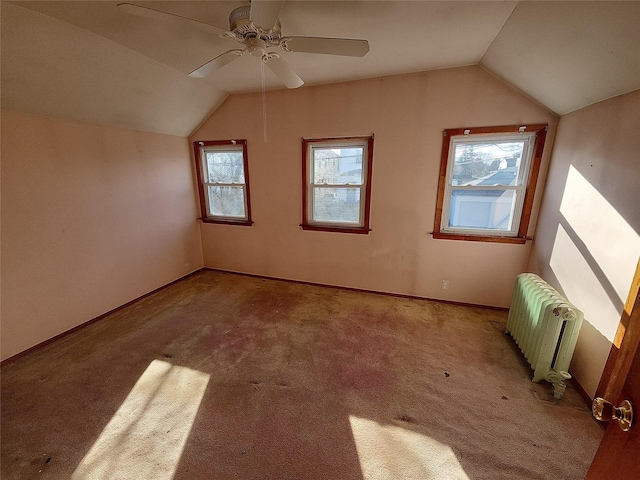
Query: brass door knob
x=605, y=411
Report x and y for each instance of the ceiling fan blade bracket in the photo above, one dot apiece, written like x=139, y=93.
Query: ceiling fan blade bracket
x=268, y=56
x=284, y=44
x=267, y=35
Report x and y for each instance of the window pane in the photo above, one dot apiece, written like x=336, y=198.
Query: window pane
x=338, y=165
x=225, y=167
x=485, y=209
x=336, y=205
x=226, y=201
x=490, y=163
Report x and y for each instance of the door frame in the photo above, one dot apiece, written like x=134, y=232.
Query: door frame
x=624, y=347
x=623, y=351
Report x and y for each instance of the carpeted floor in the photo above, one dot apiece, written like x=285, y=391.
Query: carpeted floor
x=224, y=376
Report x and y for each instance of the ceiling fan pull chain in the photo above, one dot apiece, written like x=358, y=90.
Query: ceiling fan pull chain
x=264, y=101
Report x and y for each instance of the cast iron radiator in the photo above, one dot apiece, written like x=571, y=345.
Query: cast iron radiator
x=545, y=326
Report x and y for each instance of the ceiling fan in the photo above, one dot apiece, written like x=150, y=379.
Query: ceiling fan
x=257, y=27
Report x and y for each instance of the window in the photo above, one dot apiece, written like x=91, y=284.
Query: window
x=223, y=181
x=487, y=182
x=336, y=176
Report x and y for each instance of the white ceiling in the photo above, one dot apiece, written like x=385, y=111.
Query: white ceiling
x=90, y=61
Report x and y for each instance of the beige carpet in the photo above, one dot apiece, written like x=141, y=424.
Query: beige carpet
x=227, y=376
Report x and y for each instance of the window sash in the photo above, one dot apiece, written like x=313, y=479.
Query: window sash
x=493, y=205
x=342, y=146
x=205, y=175
x=311, y=186
x=210, y=207
x=231, y=202
x=518, y=189
x=312, y=204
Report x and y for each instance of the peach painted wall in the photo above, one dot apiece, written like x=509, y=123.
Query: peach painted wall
x=588, y=237
x=407, y=114
x=92, y=217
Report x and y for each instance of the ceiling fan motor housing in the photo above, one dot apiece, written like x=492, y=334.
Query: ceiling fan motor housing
x=242, y=27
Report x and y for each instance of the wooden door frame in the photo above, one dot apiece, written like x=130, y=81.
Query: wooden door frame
x=623, y=355
x=625, y=345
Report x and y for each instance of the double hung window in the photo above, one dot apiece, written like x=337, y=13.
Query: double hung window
x=337, y=184
x=487, y=182
x=223, y=180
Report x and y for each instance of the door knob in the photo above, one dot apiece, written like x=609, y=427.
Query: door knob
x=605, y=411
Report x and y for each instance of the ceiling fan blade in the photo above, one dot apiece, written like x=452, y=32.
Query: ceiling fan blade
x=264, y=13
x=283, y=71
x=147, y=12
x=329, y=46
x=215, y=64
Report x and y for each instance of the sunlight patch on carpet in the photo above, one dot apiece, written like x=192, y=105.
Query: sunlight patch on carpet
x=387, y=451
x=146, y=436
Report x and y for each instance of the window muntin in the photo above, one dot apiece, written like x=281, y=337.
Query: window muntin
x=337, y=174
x=223, y=181
x=487, y=182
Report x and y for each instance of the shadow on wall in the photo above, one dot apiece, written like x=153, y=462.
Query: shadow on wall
x=594, y=253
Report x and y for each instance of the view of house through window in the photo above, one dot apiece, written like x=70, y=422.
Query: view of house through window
x=482, y=167
x=337, y=173
x=337, y=184
x=224, y=188
x=489, y=177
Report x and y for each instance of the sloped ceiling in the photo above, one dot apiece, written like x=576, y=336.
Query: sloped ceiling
x=568, y=55
x=88, y=60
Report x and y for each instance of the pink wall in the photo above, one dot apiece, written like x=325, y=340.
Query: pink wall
x=407, y=114
x=588, y=237
x=79, y=234
x=92, y=217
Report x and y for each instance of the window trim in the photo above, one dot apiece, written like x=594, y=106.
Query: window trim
x=540, y=131
x=198, y=148
x=307, y=223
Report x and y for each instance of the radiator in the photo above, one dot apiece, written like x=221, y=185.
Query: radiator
x=545, y=326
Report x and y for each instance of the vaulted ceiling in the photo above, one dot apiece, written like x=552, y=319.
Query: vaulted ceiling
x=91, y=61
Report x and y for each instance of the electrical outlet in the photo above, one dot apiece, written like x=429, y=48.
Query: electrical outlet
x=187, y=266
x=445, y=285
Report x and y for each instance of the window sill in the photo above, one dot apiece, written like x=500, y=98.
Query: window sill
x=336, y=229
x=244, y=223
x=480, y=238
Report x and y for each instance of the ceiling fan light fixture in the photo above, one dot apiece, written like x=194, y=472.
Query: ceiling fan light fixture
x=256, y=47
